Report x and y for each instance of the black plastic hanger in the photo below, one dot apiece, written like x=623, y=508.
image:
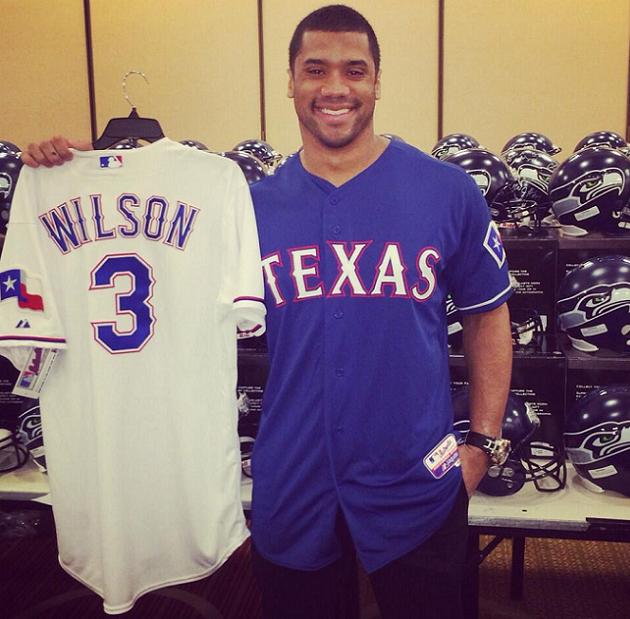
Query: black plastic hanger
x=133, y=126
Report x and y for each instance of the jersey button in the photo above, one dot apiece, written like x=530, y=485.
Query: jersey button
x=336, y=229
x=339, y=373
x=334, y=200
x=338, y=314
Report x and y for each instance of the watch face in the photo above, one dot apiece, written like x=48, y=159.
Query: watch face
x=500, y=452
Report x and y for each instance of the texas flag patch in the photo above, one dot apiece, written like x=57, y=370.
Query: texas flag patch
x=13, y=284
x=494, y=245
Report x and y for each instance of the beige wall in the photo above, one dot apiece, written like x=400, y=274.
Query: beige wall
x=407, y=33
x=560, y=68
x=43, y=67
x=201, y=59
x=557, y=67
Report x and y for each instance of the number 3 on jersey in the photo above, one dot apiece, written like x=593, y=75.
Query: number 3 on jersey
x=133, y=303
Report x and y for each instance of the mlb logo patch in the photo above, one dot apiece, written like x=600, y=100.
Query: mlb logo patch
x=111, y=161
x=494, y=245
x=443, y=457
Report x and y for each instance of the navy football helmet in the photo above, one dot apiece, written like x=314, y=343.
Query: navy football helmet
x=520, y=422
x=607, y=139
x=531, y=141
x=194, y=144
x=534, y=170
x=8, y=147
x=454, y=323
x=126, y=144
x=262, y=151
x=250, y=165
x=593, y=305
x=597, y=438
x=10, y=166
x=29, y=432
x=590, y=191
x=453, y=143
x=498, y=185
x=527, y=329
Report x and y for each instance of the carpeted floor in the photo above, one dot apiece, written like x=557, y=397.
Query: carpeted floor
x=563, y=580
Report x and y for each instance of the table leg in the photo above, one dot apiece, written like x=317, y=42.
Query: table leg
x=518, y=567
x=470, y=589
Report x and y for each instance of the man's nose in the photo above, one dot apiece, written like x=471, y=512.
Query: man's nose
x=334, y=85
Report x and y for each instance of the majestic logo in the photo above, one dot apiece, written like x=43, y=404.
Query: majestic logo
x=6, y=182
x=593, y=303
x=598, y=442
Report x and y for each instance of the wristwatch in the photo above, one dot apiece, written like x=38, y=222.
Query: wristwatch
x=498, y=449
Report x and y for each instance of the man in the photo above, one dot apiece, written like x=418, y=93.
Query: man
x=361, y=240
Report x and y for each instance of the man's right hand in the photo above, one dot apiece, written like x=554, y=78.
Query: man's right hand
x=55, y=151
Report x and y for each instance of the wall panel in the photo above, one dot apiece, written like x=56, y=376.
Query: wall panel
x=407, y=33
x=201, y=59
x=44, y=79
x=560, y=68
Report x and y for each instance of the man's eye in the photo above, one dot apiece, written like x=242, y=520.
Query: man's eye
x=314, y=71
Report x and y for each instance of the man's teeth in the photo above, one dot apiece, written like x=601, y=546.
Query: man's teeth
x=325, y=110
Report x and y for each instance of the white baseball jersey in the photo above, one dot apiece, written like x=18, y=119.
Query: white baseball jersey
x=139, y=265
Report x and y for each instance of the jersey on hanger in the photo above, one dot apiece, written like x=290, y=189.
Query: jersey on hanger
x=138, y=266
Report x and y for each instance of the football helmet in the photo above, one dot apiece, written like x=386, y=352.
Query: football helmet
x=126, y=144
x=247, y=447
x=29, y=432
x=520, y=422
x=497, y=184
x=194, y=144
x=590, y=191
x=531, y=141
x=261, y=150
x=593, y=305
x=454, y=323
x=607, y=139
x=250, y=165
x=10, y=166
x=8, y=147
x=453, y=143
x=527, y=329
x=13, y=454
x=533, y=170
x=597, y=438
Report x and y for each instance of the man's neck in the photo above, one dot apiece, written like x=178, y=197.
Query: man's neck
x=338, y=165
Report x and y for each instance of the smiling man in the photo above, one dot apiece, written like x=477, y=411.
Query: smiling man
x=361, y=239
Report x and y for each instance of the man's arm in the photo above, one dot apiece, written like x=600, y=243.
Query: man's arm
x=488, y=353
x=55, y=151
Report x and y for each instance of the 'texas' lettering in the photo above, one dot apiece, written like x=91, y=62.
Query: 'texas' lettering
x=390, y=277
x=68, y=228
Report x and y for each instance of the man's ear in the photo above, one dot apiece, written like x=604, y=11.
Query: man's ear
x=290, y=86
x=377, y=86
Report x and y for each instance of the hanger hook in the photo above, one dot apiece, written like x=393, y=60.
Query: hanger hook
x=124, y=85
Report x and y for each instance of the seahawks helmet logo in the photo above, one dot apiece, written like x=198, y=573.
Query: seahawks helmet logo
x=586, y=189
x=29, y=431
x=6, y=183
x=598, y=442
x=594, y=303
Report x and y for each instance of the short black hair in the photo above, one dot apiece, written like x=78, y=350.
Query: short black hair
x=334, y=18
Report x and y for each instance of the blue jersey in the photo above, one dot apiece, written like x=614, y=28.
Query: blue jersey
x=357, y=410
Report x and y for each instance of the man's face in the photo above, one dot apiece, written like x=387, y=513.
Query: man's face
x=334, y=86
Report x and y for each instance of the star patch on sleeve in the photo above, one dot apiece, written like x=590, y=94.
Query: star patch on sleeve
x=493, y=244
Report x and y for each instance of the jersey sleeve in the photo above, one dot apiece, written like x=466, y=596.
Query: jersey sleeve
x=242, y=285
x=478, y=276
x=28, y=312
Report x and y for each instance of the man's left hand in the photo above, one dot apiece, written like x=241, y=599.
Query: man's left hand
x=474, y=463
